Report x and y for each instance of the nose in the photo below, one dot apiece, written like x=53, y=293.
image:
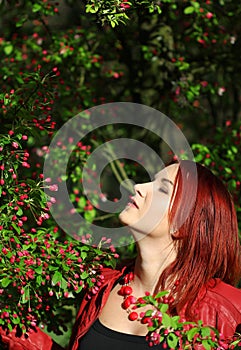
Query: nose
x=141, y=189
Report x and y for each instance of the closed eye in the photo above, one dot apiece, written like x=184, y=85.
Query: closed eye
x=165, y=184
x=164, y=190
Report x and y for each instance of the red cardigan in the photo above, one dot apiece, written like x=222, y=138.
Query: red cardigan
x=220, y=308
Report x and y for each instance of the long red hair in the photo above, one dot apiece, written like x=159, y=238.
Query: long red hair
x=207, y=242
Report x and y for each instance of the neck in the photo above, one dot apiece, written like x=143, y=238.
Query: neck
x=152, y=259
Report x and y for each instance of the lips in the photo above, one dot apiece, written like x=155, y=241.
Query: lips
x=133, y=202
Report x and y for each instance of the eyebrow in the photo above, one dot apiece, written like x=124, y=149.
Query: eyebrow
x=167, y=180
x=163, y=179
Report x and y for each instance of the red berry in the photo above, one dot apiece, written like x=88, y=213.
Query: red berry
x=129, y=277
x=132, y=299
x=121, y=291
x=127, y=290
x=145, y=320
x=126, y=303
x=141, y=301
x=133, y=316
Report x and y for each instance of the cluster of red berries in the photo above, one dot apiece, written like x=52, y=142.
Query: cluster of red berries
x=131, y=303
x=160, y=331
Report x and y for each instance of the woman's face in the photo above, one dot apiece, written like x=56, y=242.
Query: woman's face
x=147, y=212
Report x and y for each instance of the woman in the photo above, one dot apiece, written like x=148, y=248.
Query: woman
x=201, y=251
x=194, y=254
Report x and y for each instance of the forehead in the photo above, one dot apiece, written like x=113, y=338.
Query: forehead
x=168, y=172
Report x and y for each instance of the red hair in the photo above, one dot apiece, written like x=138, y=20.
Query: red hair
x=207, y=242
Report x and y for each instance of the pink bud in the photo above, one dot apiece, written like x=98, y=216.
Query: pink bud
x=4, y=251
x=204, y=83
x=25, y=165
x=53, y=187
x=209, y=15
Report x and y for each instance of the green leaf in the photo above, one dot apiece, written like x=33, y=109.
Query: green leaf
x=21, y=21
x=5, y=282
x=53, y=268
x=163, y=308
x=184, y=66
x=57, y=277
x=10, y=328
x=152, y=300
x=19, y=212
x=83, y=255
x=84, y=275
x=25, y=295
x=16, y=239
x=195, y=4
x=161, y=294
x=188, y=10
x=90, y=215
x=190, y=96
x=16, y=227
x=228, y=170
x=63, y=284
x=206, y=345
x=36, y=7
x=79, y=289
x=192, y=332
x=39, y=280
x=113, y=24
x=8, y=49
x=15, y=320
x=166, y=320
x=148, y=313
x=65, y=267
x=205, y=331
x=111, y=262
x=172, y=340
x=82, y=202
x=39, y=270
x=91, y=9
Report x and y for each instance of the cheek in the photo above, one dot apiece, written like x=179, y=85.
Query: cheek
x=154, y=214
x=158, y=207
x=158, y=217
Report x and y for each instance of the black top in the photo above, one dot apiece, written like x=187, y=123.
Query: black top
x=100, y=337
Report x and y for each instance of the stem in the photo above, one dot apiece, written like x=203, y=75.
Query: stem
x=103, y=217
x=116, y=167
x=116, y=164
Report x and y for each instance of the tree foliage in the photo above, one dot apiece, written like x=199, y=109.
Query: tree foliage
x=57, y=59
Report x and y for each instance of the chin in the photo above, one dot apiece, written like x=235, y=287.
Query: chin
x=122, y=218
x=125, y=218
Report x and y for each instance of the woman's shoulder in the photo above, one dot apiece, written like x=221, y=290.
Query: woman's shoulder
x=224, y=294
x=112, y=273
x=220, y=307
